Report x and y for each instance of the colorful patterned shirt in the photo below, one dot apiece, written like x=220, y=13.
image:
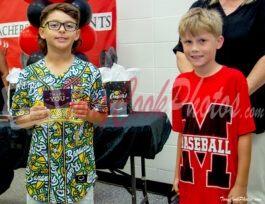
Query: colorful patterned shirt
x=61, y=162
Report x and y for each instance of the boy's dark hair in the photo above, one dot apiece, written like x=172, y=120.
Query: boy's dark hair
x=67, y=8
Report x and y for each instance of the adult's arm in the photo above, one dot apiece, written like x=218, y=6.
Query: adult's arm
x=182, y=63
x=256, y=77
x=3, y=68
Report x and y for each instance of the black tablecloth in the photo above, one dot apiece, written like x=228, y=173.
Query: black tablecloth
x=14, y=145
x=139, y=134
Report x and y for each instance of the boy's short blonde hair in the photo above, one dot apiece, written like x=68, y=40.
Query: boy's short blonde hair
x=199, y=19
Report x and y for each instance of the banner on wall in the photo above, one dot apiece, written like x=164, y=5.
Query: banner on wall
x=13, y=20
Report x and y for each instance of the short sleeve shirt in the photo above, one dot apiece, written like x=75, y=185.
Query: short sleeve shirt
x=211, y=113
x=61, y=161
x=244, y=45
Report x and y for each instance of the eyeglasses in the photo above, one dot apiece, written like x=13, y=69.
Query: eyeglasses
x=56, y=25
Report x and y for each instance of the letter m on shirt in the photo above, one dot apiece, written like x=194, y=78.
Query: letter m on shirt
x=213, y=123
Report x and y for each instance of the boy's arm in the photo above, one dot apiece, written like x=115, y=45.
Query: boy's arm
x=239, y=190
x=25, y=121
x=176, y=177
x=96, y=117
x=36, y=115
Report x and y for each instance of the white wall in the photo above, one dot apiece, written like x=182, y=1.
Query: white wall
x=146, y=35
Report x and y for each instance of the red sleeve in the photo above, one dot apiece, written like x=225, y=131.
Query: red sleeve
x=177, y=125
x=244, y=113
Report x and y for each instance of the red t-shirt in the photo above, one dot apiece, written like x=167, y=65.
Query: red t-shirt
x=211, y=113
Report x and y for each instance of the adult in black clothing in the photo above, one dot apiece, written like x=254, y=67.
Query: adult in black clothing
x=244, y=49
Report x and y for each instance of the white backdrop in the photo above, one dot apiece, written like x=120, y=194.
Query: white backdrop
x=146, y=35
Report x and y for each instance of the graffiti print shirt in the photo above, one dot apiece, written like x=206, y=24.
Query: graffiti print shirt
x=61, y=163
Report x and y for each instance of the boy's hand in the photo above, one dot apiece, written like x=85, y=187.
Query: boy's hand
x=39, y=113
x=176, y=185
x=237, y=195
x=80, y=109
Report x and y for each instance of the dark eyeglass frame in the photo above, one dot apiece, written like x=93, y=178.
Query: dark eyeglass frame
x=61, y=24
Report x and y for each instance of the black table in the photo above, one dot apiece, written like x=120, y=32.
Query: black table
x=14, y=147
x=140, y=134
